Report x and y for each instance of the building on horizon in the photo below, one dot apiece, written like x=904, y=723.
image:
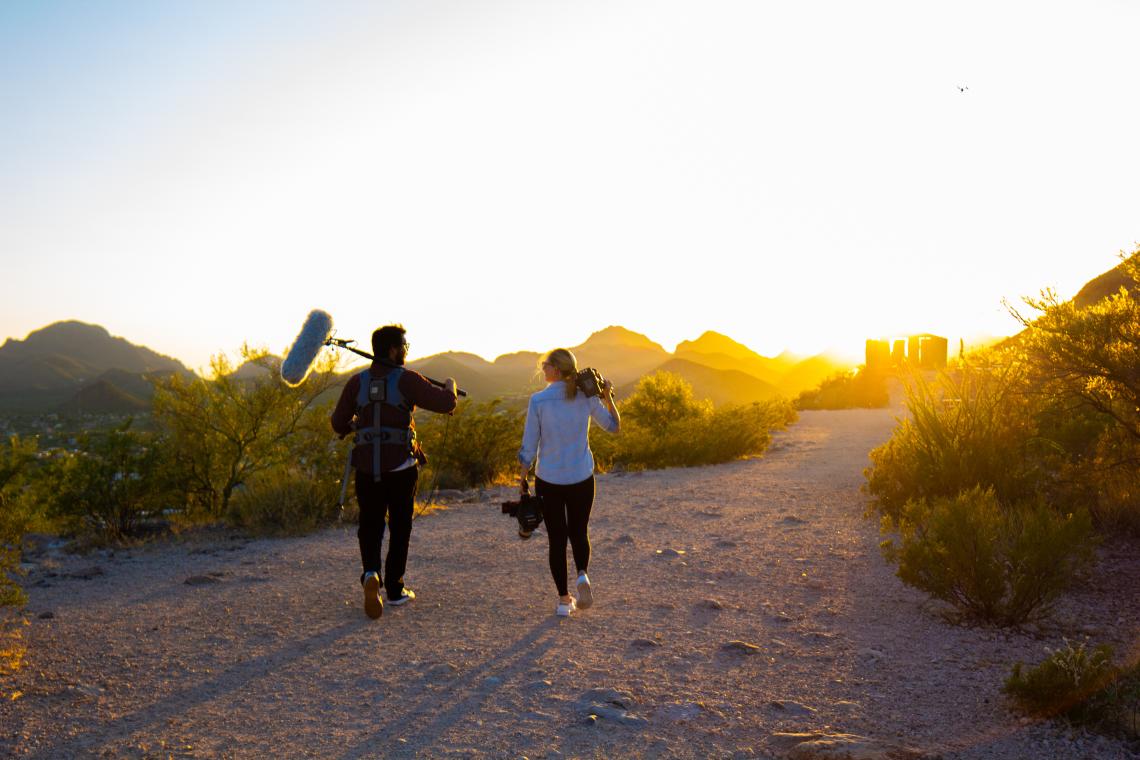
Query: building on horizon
x=924, y=350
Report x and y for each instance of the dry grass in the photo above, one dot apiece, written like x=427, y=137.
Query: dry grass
x=13, y=647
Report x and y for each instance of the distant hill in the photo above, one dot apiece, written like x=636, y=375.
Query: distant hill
x=721, y=386
x=116, y=391
x=478, y=384
x=721, y=352
x=471, y=361
x=787, y=373
x=52, y=364
x=1095, y=290
x=520, y=362
x=75, y=367
x=620, y=354
x=508, y=376
x=252, y=371
x=810, y=372
x=1103, y=286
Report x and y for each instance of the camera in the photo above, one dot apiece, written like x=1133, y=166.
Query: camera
x=527, y=510
x=590, y=382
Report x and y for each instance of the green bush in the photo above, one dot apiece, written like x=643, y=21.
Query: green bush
x=16, y=515
x=1083, y=358
x=289, y=501
x=474, y=447
x=1055, y=411
x=103, y=490
x=663, y=425
x=228, y=428
x=994, y=563
x=1081, y=685
x=973, y=427
x=662, y=401
x=299, y=494
x=866, y=389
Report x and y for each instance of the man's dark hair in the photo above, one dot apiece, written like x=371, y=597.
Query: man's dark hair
x=385, y=338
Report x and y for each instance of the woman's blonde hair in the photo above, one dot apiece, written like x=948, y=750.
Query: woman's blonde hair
x=567, y=367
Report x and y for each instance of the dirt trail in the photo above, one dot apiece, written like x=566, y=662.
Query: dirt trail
x=732, y=602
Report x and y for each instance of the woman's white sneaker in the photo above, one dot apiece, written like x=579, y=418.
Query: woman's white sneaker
x=565, y=608
x=585, y=595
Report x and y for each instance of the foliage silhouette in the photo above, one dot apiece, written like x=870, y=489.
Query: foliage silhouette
x=109, y=484
x=663, y=425
x=1003, y=564
x=229, y=428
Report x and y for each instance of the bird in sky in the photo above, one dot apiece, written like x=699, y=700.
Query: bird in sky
x=962, y=88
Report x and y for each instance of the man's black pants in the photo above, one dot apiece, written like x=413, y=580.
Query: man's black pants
x=395, y=496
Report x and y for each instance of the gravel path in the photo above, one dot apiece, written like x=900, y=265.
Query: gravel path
x=732, y=603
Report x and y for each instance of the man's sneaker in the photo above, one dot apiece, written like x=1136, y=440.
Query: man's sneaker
x=373, y=604
x=585, y=596
x=406, y=595
x=524, y=534
x=565, y=608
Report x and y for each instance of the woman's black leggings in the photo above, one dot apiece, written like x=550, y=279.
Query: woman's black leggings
x=566, y=511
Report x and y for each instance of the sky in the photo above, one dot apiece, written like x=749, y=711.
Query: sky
x=500, y=176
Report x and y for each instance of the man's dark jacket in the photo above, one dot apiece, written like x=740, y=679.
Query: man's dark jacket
x=417, y=389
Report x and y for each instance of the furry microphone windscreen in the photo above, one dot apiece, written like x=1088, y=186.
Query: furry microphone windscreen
x=318, y=325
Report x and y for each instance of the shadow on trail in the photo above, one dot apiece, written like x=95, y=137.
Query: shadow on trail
x=436, y=713
x=179, y=703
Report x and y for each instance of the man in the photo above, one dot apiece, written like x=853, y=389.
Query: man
x=377, y=404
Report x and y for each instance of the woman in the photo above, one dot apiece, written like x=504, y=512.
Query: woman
x=557, y=434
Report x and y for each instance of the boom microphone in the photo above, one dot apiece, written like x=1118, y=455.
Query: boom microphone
x=315, y=334
x=309, y=342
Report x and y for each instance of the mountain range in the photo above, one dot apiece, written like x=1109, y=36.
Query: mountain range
x=72, y=367
x=718, y=367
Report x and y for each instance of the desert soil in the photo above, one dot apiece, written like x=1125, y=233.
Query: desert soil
x=732, y=604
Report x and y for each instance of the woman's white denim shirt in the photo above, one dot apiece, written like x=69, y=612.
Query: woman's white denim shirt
x=557, y=433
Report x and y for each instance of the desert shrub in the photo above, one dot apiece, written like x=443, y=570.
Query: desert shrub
x=11, y=594
x=1064, y=680
x=228, y=428
x=288, y=501
x=1056, y=411
x=731, y=432
x=476, y=446
x=16, y=514
x=1091, y=352
x=299, y=494
x=996, y=563
x=973, y=427
x=866, y=389
x=661, y=401
x=663, y=425
x=1082, y=685
x=1084, y=358
x=104, y=489
x=1110, y=492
